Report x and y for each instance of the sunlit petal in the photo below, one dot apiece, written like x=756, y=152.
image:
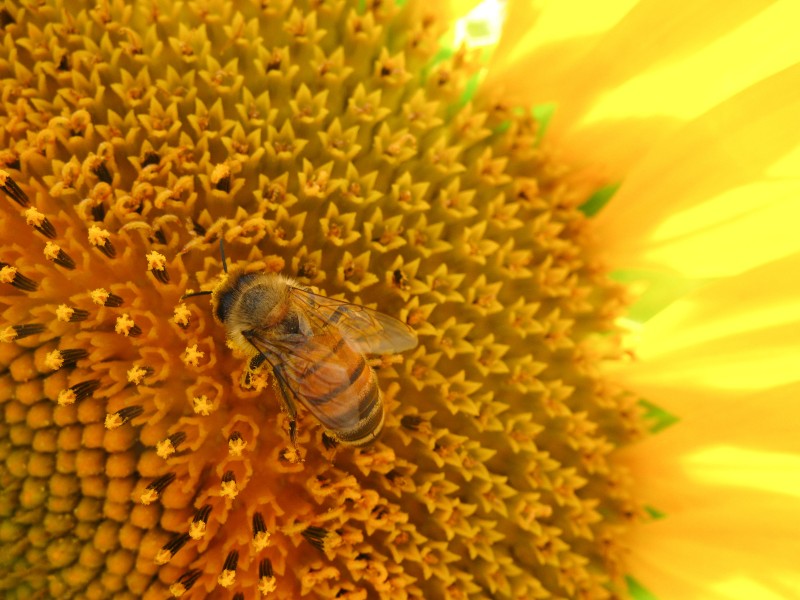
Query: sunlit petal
x=739, y=333
x=730, y=146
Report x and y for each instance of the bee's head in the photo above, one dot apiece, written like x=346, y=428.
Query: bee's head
x=225, y=297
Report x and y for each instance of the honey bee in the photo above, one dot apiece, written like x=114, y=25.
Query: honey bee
x=315, y=347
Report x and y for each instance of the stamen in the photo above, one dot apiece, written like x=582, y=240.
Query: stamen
x=156, y=487
x=121, y=417
x=150, y=158
x=181, y=315
x=67, y=314
x=9, y=274
x=321, y=539
x=157, y=265
x=64, y=358
x=102, y=173
x=17, y=332
x=260, y=534
x=126, y=326
x=104, y=298
x=185, y=583
x=99, y=212
x=228, y=576
x=411, y=422
x=221, y=177
x=236, y=444
x=167, y=447
x=40, y=223
x=191, y=356
x=100, y=238
x=171, y=548
x=229, y=489
x=10, y=187
x=78, y=392
x=197, y=529
x=266, y=578
x=53, y=252
x=202, y=406
x=137, y=374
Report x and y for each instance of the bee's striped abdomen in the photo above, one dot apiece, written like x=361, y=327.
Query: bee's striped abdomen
x=352, y=407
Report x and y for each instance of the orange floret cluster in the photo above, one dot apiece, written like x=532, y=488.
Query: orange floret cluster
x=338, y=143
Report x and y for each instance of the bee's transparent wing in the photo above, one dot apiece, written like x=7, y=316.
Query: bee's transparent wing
x=365, y=330
x=318, y=377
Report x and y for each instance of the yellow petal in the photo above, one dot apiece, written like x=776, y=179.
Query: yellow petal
x=747, y=539
x=695, y=79
x=731, y=145
x=607, y=46
x=726, y=477
x=740, y=333
x=608, y=80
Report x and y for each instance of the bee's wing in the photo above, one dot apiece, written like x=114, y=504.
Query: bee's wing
x=367, y=331
x=316, y=374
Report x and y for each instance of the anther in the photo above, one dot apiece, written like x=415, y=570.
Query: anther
x=67, y=314
x=9, y=274
x=167, y=447
x=53, y=252
x=156, y=487
x=228, y=576
x=221, y=177
x=260, y=534
x=102, y=173
x=137, y=374
x=185, y=583
x=125, y=326
x=79, y=391
x=157, y=265
x=197, y=529
x=58, y=359
x=121, y=417
x=103, y=297
x=150, y=158
x=229, y=488
x=99, y=212
x=236, y=444
x=17, y=332
x=180, y=316
x=266, y=577
x=40, y=223
x=100, y=238
x=411, y=422
x=320, y=538
x=171, y=548
x=10, y=187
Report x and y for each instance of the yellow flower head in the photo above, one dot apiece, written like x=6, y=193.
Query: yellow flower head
x=343, y=147
x=372, y=152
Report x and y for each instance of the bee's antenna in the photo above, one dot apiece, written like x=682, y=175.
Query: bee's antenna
x=222, y=254
x=224, y=268
x=200, y=293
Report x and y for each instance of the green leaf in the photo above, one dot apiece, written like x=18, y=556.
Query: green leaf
x=599, y=199
x=637, y=590
x=661, y=288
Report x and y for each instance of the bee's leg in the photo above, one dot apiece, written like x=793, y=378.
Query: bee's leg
x=255, y=362
x=288, y=402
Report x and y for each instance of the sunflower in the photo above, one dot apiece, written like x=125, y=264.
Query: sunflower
x=549, y=197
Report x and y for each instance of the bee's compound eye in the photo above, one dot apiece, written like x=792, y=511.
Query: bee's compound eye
x=224, y=306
